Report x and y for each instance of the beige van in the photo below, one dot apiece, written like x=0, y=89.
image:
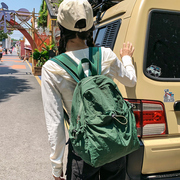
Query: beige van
x=153, y=26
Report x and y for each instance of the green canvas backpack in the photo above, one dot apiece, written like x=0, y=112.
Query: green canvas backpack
x=103, y=126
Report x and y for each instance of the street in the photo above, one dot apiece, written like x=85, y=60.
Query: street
x=23, y=136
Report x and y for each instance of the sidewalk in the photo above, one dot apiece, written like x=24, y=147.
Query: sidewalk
x=23, y=136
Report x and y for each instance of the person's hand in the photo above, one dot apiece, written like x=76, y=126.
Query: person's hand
x=56, y=178
x=127, y=49
x=59, y=178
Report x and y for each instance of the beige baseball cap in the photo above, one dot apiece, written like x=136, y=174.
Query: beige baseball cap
x=71, y=11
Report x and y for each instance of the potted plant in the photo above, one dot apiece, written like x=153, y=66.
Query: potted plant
x=41, y=57
x=36, y=57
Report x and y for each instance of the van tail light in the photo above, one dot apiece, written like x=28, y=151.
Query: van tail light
x=150, y=117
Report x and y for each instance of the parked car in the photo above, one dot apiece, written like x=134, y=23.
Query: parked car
x=154, y=29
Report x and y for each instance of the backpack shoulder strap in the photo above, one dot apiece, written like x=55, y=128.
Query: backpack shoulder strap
x=68, y=64
x=70, y=67
x=95, y=57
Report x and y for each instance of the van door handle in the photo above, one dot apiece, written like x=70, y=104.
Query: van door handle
x=177, y=106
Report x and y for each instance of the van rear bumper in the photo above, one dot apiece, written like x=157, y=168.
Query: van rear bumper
x=161, y=154
x=166, y=176
x=154, y=156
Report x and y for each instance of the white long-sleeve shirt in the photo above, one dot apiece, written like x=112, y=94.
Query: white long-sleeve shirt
x=57, y=91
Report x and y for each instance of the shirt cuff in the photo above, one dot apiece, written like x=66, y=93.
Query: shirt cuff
x=57, y=172
x=127, y=60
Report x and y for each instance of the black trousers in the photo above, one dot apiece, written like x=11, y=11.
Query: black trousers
x=77, y=169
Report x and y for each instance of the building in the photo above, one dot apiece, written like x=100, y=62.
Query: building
x=52, y=6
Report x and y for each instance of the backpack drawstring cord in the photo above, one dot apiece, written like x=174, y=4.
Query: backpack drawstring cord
x=114, y=116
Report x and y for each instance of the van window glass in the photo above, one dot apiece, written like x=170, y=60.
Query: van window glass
x=94, y=33
x=100, y=36
x=106, y=35
x=162, y=59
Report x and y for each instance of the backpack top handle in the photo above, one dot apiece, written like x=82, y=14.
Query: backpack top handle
x=71, y=67
x=92, y=68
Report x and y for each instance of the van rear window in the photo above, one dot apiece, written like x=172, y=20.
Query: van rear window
x=162, y=56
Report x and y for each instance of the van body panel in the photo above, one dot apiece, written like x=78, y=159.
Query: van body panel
x=123, y=8
x=161, y=153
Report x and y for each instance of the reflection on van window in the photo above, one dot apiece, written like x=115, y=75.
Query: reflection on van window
x=100, y=36
x=163, y=51
x=94, y=33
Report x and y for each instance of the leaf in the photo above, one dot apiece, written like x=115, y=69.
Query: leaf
x=36, y=54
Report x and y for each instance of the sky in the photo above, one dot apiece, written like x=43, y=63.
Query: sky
x=18, y=4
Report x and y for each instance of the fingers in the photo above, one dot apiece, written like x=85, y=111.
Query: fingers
x=127, y=49
x=124, y=45
x=128, y=45
x=121, y=51
x=133, y=49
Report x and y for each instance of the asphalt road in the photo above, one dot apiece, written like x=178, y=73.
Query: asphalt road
x=24, y=148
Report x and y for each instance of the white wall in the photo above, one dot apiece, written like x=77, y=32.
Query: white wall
x=8, y=43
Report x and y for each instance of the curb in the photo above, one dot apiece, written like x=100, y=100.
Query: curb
x=38, y=78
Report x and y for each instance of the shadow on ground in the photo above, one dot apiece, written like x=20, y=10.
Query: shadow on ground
x=11, y=85
x=6, y=70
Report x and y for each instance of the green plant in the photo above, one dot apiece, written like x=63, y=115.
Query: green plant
x=48, y=47
x=4, y=35
x=36, y=54
x=44, y=55
x=40, y=62
x=43, y=13
x=41, y=57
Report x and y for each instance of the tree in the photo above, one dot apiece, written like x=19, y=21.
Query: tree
x=4, y=35
x=12, y=39
x=43, y=13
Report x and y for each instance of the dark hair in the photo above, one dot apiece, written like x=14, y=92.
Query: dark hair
x=66, y=35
